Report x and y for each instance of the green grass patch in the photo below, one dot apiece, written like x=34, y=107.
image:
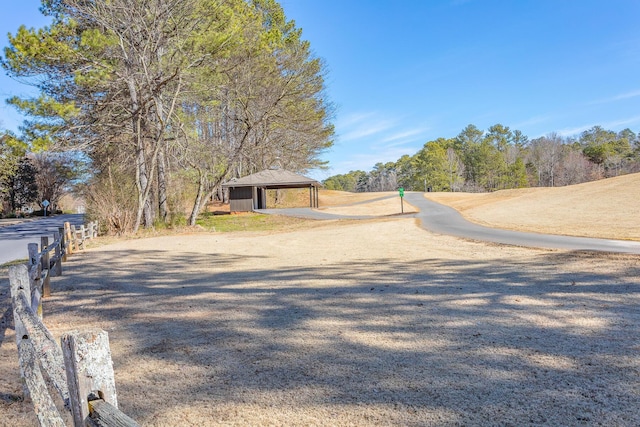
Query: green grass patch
x=249, y=222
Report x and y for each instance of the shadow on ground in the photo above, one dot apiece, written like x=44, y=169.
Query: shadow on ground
x=431, y=341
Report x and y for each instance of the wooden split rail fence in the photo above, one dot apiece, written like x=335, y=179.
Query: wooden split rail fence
x=80, y=369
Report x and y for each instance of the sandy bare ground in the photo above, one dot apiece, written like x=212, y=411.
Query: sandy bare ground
x=373, y=322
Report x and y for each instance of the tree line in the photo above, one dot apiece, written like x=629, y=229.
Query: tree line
x=501, y=158
x=166, y=99
x=28, y=179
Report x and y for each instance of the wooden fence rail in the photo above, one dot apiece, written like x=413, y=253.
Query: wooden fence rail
x=81, y=369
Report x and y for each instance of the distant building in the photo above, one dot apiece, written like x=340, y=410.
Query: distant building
x=249, y=193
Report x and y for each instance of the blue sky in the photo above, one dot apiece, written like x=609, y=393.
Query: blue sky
x=402, y=73
x=12, y=14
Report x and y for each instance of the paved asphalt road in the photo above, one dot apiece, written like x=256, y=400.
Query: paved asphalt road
x=445, y=220
x=15, y=237
x=433, y=216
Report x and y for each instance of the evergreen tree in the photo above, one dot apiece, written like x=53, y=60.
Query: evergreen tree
x=22, y=186
x=12, y=151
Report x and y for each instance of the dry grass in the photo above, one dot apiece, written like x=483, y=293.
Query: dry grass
x=377, y=204
x=608, y=208
x=332, y=198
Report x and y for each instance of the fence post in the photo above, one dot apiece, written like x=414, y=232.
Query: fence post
x=45, y=409
x=69, y=238
x=33, y=253
x=82, y=230
x=63, y=243
x=87, y=361
x=57, y=265
x=45, y=265
x=35, y=274
x=19, y=282
x=74, y=237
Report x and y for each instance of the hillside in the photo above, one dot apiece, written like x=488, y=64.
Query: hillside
x=608, y=208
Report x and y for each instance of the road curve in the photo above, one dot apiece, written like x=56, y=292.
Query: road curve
x=14, y=238
x=443, y=219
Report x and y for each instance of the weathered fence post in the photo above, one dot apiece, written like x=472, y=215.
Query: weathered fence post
x=63, y=243
x=45, y=409
x=45, y=265
x=33, y=253
x=83, y=231
x=87, y=360
x=74, y=237
x=57, y=266
x=29, y=326
x=20, y=283
x=69, y=238
x=35, y=274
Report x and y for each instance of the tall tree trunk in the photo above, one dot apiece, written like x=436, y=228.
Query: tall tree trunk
x=163, y=204
x=146, y=162
x=142, y=183
x=197, y=204
x=161, y=120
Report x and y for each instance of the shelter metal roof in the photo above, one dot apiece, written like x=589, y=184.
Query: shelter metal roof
x=273, y=178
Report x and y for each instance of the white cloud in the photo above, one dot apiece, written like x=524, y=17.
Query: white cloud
x=531, y=121
x=366, y=129
x=573, y=131
x=367, y=138
x=404, y=135
x=627, y=95
x=612, y=125
x=622, y=122
x=381, y=130
x=355, y=118
x=366, y=161
x=360, y=125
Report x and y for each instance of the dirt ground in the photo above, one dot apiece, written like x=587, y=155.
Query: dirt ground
x=351, y=323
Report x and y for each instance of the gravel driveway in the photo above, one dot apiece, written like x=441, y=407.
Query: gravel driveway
x=373, y=322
